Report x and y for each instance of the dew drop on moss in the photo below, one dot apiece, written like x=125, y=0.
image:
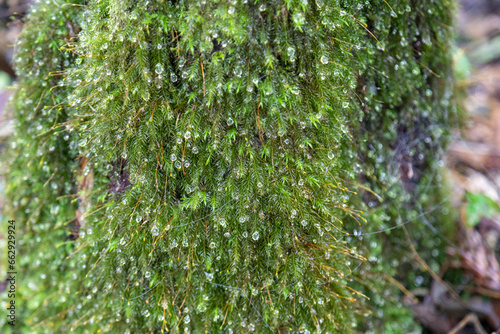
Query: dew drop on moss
x=159, y=68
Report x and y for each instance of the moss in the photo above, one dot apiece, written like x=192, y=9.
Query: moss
x=40, y=186
x=209, y=174
x=406, y=104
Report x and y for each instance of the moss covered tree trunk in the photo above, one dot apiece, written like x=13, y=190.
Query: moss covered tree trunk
x=225, y=166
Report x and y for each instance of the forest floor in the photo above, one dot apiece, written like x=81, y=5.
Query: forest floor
x=471, y=304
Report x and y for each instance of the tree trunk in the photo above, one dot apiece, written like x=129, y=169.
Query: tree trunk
x=222, y=155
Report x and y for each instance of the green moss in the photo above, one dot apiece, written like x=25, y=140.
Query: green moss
x=214, y=148
x=406, y=104
x=40, y=187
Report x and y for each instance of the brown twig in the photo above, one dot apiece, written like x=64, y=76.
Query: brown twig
x=471, y=317
x=427, y=268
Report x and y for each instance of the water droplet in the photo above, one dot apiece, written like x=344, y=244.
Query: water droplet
x=230, y=10
x=178, y=165
x=304, y=223
x=195, y=150
x=173, y=157
x=255, y=236
x=212, y=245
x=159, y=68
x=147, y=274
x=158, y=82
x=187, y=319
x=155, y=231
x=324, y=60
x=262, y=8
x=173, y=77
x=230, y=121
x=331, y=155
x=227, y=234
x=299, y=18
x=187, y=164
x=187, y=135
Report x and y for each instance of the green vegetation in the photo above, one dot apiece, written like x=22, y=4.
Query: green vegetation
x=202, y=166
